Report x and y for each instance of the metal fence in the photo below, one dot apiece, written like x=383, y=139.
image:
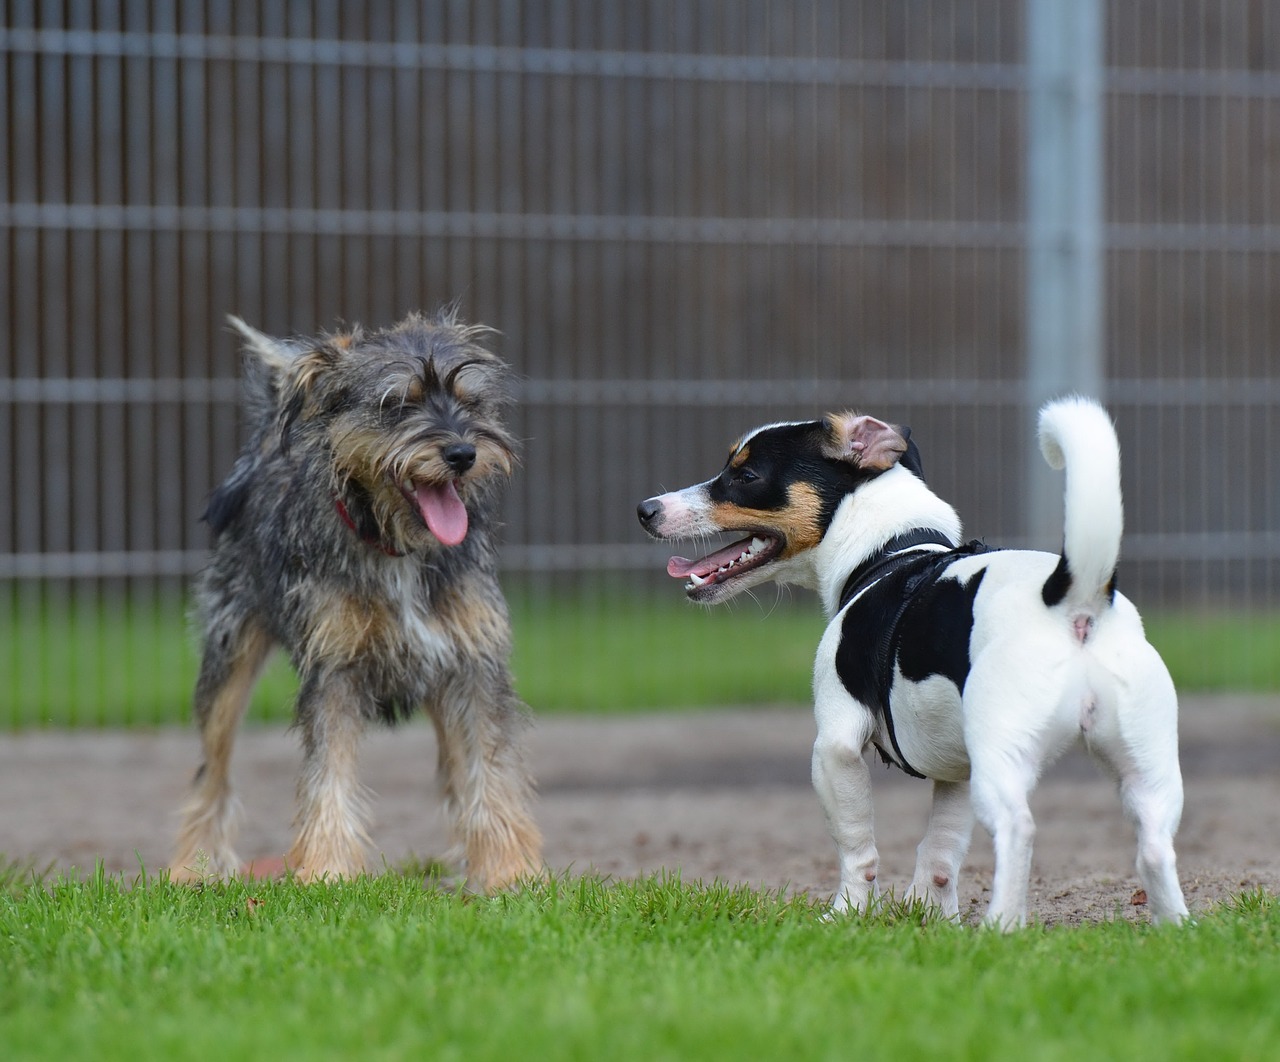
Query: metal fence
x=684, y=217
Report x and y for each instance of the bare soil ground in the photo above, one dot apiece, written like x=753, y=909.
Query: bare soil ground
x=716, y=794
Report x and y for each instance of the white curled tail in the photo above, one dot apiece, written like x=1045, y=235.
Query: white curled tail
x=1076, y=434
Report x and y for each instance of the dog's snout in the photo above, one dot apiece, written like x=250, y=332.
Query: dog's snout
x=459, y=456
x=648, y=511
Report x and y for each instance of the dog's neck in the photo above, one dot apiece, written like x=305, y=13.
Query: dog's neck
x=897, y=503
x=365, y=528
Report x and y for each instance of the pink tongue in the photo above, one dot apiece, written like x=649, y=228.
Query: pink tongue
x=679, y=567
x=443, y=512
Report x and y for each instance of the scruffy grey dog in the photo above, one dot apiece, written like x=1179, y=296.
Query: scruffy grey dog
x=356, y=531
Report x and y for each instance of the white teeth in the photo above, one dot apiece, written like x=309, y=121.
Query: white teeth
x=757, y=544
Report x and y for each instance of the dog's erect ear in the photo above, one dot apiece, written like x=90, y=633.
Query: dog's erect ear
x=864, y=441
x=274, y=355
x=283, y=376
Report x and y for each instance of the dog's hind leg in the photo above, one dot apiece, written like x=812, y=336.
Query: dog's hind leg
x=1012, y=727
x=235, y=649
x=843, y=785
x=487, y=790
x=943, y=848
x=1000, y=799
x=331, y=837
x=1139, y=743
x=1154, y=806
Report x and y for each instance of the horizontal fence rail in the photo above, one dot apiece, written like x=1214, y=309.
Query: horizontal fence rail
x=1164, y=393
x=566, y=62
x=815, y=232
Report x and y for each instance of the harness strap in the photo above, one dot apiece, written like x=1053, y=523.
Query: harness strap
x=898, y=553
x=891, y=557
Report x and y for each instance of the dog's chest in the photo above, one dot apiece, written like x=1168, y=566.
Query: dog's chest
x=388, y=627
x=453, y=623
x=904, y=653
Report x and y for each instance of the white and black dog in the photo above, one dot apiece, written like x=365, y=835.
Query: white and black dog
x=970, y=666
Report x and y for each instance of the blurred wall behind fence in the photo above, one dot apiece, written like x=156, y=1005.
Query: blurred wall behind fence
x=685, y=217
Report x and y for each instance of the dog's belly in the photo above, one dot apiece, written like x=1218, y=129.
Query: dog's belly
x=929, y=724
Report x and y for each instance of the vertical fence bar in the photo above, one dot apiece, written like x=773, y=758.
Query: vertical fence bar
x=1064, y=309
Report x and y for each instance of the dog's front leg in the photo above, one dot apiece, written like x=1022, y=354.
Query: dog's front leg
x=843, y=784
x=235, y=649
x=945, y=843
x=332, y=805
x=487, y=790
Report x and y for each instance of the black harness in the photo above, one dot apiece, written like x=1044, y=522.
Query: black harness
x=906, y=572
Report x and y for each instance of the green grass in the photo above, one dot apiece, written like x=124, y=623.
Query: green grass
x=581, y=969
x=67, y=662
x=607, y=648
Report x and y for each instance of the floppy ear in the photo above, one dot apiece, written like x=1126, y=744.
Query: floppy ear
x=864, y=441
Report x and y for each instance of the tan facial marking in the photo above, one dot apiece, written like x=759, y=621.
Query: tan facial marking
x=308, y=368
x=414, y=391
x=800, y=522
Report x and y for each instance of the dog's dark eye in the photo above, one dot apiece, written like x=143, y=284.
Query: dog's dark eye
x=745, y=475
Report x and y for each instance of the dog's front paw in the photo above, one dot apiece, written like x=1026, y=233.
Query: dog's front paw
x=851, y=899
x=938, y=892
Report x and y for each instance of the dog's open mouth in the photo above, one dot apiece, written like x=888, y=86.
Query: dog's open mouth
x=725, y=564
x=440, y=508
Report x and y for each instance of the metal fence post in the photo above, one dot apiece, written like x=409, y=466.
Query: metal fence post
x=1065, y=267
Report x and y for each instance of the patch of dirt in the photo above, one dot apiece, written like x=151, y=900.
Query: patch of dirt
x=716, y=794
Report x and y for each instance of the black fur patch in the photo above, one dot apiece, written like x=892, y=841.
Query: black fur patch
x=780, y=457
x=933, y=635
x=911, y=459
x=228, y=498
x=1056, y=586
x=916, y=618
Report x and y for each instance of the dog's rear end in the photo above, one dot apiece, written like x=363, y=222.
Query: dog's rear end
x=1085, y=672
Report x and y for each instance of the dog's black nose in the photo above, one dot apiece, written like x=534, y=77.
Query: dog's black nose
x=647, y=510
x=459, y=456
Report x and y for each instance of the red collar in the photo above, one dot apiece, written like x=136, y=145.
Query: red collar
x=368, y=540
